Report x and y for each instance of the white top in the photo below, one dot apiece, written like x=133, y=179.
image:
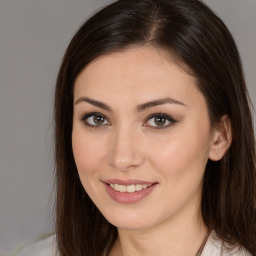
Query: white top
x=216, y=247
x=213, y=247
x=44, y=247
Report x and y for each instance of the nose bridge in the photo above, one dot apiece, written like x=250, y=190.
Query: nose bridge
x=124, y=151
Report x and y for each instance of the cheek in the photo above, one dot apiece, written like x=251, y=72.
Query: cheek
x=181, y=153
x=171, y=158
x=87, y=152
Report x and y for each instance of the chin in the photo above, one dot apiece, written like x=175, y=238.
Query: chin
x=129, y=224
x=130, y=220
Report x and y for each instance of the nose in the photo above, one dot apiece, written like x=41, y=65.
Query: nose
x=125, y=152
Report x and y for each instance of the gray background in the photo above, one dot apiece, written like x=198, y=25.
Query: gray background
x=33, y=38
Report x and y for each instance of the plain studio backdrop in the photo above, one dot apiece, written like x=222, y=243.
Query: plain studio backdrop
x=33, y=37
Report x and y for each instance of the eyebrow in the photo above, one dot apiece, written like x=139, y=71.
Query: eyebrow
x=154, y=103
x=94, y=102
x=139, y=108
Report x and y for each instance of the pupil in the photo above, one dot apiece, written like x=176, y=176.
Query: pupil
x=98, y=120
x=160, y=121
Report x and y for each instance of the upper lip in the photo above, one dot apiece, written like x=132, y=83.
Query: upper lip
x=128, y=182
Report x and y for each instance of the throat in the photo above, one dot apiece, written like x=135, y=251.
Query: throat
x=187, y=246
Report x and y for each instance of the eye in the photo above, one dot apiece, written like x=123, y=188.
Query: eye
x=160, y=121
x=95, y=120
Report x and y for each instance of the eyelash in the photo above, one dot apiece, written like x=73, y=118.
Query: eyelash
x=155, y=115
x=168, y=118
x=86, y=116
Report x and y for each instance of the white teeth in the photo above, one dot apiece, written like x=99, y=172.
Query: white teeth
x=122, y=188
x=138, y=187
x=130, y=188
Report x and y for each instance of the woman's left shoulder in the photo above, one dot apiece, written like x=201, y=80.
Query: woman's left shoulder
x=44, y=247
x=216, y=247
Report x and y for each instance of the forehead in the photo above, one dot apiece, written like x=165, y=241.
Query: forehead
x=137, y=73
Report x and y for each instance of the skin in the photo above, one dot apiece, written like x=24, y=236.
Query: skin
x=127, y=145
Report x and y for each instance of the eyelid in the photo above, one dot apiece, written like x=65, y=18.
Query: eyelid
x=170, y=119
x=88, y=115
x=163, y=115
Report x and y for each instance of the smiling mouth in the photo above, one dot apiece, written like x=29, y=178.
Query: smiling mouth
x=128, y=191
x=129, y=188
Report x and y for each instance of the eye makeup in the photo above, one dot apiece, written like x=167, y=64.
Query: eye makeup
x=94, y=120
x=159, y=121
x=155, y=120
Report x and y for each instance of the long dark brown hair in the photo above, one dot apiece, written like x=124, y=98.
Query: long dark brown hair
x=199, y=40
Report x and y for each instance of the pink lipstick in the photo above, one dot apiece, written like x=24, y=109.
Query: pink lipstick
x=128, y=191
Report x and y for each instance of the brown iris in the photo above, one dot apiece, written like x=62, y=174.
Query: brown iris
x=160, y=121
x=98, y=120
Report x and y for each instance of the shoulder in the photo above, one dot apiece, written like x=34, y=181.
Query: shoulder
x=216, y=247
x=44, y=247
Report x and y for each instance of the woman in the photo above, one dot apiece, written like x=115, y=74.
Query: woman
x=155, y=149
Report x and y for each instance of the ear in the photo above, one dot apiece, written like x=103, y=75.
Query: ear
x=221, y=139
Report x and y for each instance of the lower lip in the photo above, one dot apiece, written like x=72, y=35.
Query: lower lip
x=126, y=198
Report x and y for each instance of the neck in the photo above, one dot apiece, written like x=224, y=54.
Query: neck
x=181, y=236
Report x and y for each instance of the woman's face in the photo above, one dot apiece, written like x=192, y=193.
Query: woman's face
x=141, y=138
